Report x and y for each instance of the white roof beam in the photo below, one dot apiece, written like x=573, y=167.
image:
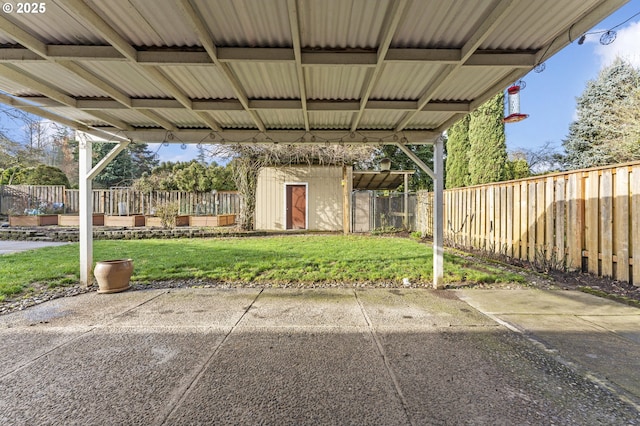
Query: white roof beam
x=336, y=106
x=21, y=77
x=104, y=162
x=445, y=56
x=447, y=107
x=497, y=87
x=216, y=105
x=86, y=15
x=166, y=124
x=260, y=104
x=156, y=75
x=347, y=58
x=208, y=120
x=500, y=59
x=38, y=47
x=119, y=97
x=297, y=53
x=207, y=42
x=573, y=31
x=170, y=56
x=121, y=125
x=394, y=16
x=480, y=100
x=26, y=106
x=256, y=54
x=20, y=54
x=84, y=53
x=96, y=82
x=22, y=36
x=233, y=136
x=488, y=25
x=416, y=160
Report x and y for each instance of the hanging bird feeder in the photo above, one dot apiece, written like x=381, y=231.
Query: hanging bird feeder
x=514, y=116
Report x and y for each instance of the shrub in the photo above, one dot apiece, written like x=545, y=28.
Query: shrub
x=167, y=213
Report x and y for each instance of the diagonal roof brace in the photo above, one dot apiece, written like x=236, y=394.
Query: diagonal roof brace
x=95, y=171
x=416, y=160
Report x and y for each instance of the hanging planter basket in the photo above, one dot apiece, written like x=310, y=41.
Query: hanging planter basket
x=113, y=276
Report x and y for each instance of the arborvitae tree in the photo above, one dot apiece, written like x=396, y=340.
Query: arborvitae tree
x=518, y=168
x=457, y=165
x=487, y=143
x=600, y=135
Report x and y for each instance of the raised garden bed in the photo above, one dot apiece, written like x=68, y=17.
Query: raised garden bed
x=219, y=220
x=132, y=220
x=33, y=220
x=74, y=220
x=181, y=220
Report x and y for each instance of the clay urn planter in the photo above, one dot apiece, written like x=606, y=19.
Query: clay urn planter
x=113, y=275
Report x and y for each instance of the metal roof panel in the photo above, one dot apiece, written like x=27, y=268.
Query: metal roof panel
x=334, y=83
x=126, y=78
x=61, y=78
x=200, y=81
x=405, y=81
x=330, y=120
x=268, y=80
x=282, y=119
x=247, y=23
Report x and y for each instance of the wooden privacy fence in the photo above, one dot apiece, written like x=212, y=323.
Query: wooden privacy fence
x=16, y=199
x=125, y=201
x=587, y=220
x=117, y=201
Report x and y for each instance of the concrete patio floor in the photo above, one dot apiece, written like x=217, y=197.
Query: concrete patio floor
x=276, y=356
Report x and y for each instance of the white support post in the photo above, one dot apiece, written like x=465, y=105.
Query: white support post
x=438, y=225
x=405, y=221
x=86, y=211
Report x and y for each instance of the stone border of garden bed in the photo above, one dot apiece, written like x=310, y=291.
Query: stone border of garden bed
x=63, y=234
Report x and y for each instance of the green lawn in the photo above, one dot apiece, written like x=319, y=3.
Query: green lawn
x=282, y=259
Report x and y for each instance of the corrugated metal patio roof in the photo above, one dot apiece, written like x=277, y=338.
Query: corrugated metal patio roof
x=382, y=71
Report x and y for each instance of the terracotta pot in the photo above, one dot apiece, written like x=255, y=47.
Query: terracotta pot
x=113, y=275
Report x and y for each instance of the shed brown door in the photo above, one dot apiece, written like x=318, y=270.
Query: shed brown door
x=296, y=207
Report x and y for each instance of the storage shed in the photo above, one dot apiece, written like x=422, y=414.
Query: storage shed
x=315, y=198
x=302, y=197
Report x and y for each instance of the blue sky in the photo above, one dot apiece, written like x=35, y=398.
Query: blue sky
x=550, y=96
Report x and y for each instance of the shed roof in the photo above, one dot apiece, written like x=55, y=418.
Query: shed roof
x=379, y=180
x=233, y=71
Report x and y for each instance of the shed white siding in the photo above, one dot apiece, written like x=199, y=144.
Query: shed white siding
x=324, y=196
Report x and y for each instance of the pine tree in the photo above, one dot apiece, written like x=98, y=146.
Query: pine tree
x=399, y=161
x=600, y=135
x=457, y=166
x=487, y=143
